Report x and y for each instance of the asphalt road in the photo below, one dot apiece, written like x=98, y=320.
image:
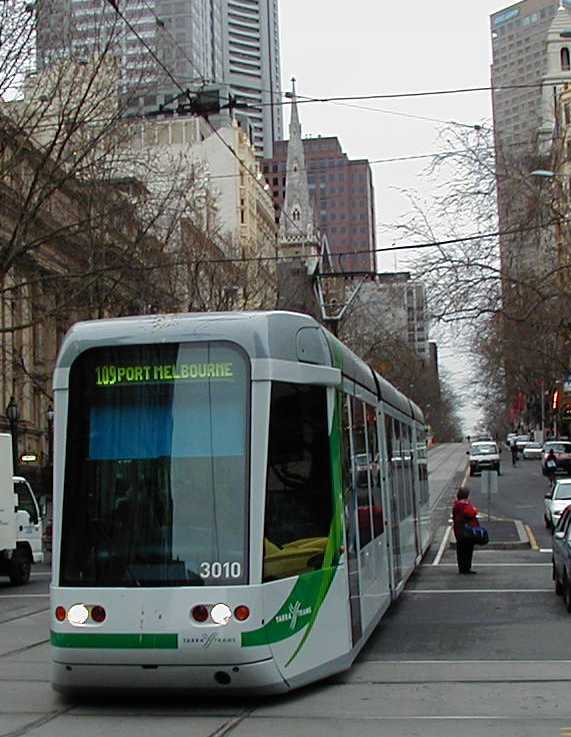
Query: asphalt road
x=487, y=654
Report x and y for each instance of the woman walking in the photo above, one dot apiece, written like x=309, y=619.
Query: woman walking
x=464, y=514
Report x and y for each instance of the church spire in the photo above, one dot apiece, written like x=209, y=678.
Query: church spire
x=294, y=124
x=297, y=225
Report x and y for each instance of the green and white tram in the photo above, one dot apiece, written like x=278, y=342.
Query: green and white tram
x=238, y=498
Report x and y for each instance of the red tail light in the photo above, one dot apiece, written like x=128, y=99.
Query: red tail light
x=98, y=614
x=60, y=613
x=199, y=613
x=241, y=613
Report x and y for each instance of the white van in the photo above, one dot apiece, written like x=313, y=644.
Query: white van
x=20, y=521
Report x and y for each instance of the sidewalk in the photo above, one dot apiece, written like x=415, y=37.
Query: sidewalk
x=505, y=534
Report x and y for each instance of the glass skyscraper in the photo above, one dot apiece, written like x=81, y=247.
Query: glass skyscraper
x=227, y=42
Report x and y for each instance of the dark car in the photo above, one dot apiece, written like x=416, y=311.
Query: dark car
x=562, y=557
x=562, y=450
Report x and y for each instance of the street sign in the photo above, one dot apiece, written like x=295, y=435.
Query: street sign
x=489, y=482
x=489, y=486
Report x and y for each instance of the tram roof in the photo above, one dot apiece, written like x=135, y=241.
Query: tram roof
x=288, y=336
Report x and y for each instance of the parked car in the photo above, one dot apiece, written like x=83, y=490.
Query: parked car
x=521, y=441
x=532, y=450
x=509, y=438
x=555, y=502
x=562, y=450
x=561, y=557
x=484, y=455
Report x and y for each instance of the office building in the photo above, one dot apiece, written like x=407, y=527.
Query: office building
x=252, y=65
x=234, y=43
x=342, y=196
x=519, y=58
x=395, y=304
x=530, y=67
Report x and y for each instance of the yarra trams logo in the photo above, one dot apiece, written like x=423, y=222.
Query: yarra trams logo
x=293, y=614
x=206, y=641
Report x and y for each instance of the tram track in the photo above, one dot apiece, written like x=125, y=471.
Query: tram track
x=232, y=723
x=23, y=649
x=15, y=618
x=38, y=722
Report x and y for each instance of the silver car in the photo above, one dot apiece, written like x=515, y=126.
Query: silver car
x=532, y=451
x=556, y=501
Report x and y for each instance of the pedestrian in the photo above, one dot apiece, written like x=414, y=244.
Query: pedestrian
x=513, y=448
x=551, y=466
x=464, y=514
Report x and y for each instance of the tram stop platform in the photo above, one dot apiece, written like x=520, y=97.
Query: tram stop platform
x=505, y=534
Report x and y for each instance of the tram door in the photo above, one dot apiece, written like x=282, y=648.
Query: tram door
x=351, y=528
x=414, y=490
x=393, y=478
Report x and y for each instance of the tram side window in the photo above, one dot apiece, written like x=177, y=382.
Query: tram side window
x=299, y=508
x=362, y=470
x=375, y=466
x=422, y=467
x=397, y=468
x=408, y=476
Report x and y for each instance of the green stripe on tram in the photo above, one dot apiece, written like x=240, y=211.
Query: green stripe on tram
x=300, y=609
x=105, y=641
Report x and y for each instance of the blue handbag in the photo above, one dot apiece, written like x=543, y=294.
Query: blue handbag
x=477, y=535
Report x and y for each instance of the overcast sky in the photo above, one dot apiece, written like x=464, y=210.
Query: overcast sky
x=342, y=48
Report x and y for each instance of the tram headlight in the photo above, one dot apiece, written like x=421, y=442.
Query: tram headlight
x=221, y=614
x=78, y=614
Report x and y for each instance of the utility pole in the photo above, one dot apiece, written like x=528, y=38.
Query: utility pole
x=542, y=410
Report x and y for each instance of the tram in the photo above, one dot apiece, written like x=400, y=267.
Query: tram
x=237, y=500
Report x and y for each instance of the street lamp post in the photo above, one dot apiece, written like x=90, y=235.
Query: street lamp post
x=50, y=417
x=542, y=410
x=13, y=415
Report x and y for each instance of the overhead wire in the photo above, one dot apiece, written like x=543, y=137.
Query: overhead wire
x=385, y=249
x=402, y=115
x=186, y=91
x=305, y=99
x=332, y=99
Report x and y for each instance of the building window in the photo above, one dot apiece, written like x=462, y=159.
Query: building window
x=565, y=60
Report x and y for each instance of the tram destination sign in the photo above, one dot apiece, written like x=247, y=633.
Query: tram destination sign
x=164, y=373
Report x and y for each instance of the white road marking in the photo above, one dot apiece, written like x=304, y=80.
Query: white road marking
x=443, y=546
x=545, y=550
x=479, y=662
x=478, y=591
x=428, y=718
x=490, y=565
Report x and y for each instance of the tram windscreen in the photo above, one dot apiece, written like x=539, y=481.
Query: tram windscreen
x=156, y=475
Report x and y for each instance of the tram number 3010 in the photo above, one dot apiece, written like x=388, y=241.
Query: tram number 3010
x=220, y=570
